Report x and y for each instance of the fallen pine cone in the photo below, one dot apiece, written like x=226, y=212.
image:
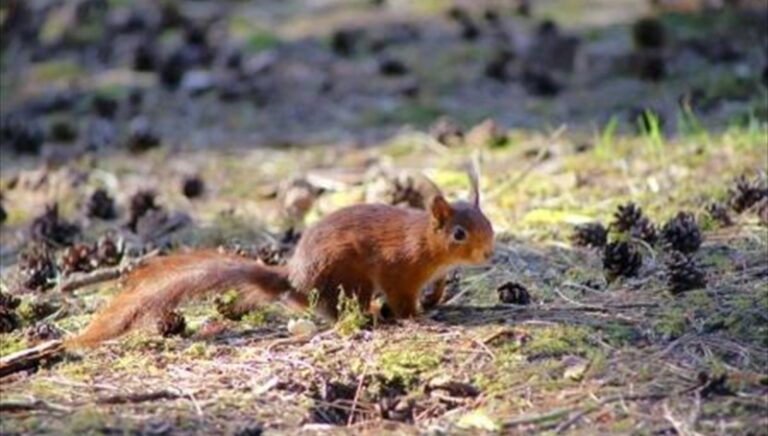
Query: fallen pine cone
x=513, y=293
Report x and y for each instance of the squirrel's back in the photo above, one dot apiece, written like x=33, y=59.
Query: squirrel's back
x=359, y=240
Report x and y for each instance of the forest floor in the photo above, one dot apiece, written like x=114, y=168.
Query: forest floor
x=584, y=354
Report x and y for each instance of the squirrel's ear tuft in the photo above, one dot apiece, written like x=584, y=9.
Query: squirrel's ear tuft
x=441, y=210
x=474, y=184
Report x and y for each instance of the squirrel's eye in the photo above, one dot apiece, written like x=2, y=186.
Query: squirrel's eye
x=459, y=234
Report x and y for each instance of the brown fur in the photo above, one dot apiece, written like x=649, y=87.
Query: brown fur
x=360, y=250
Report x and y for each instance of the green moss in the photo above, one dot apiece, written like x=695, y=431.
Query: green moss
x=407, y=362
x=671, y=323
x=11, y=343
x=261, y=40
x=620, y=335
x=557, y=341
x=62, y=70
x=419, y=114
x=351, y=318
x=198, y=350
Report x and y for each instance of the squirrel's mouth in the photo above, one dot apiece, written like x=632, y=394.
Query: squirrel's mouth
x=482, y=256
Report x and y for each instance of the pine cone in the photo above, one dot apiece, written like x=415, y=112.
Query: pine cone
x=8, y=320
x=37, y=268
x=9, y=301
x=590, y=235
x=78, y=258
x=513, y=293
x=683, y=274
x=645, y=230
x=626, y=217
x=141, y=203
x=193, y=187
x=226, y=306
x=746, y=194
x=719, y=213
x=403, y=191
x=43, y=331
x=100, y=205
x=681, y=233
x=171, y=324
x=648, y=33
x=141, y=135
x=272, y=254
x=50, y=229
x=620, y=258
x=396, y=409
x=107, y=252
x=40, y=309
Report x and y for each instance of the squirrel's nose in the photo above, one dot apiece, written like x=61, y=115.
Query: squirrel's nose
x=488, y=253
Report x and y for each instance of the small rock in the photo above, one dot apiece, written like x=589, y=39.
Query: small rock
x=196, y=82
x=575, y=367
x=301, y=327
x=485, y=134
x=447, y=132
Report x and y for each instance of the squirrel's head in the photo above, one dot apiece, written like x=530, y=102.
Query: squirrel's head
x=463, y=230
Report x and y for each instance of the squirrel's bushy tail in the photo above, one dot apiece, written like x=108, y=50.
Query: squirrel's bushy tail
x=155, y=289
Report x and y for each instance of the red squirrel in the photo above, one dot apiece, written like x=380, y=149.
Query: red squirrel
x=361, y=250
